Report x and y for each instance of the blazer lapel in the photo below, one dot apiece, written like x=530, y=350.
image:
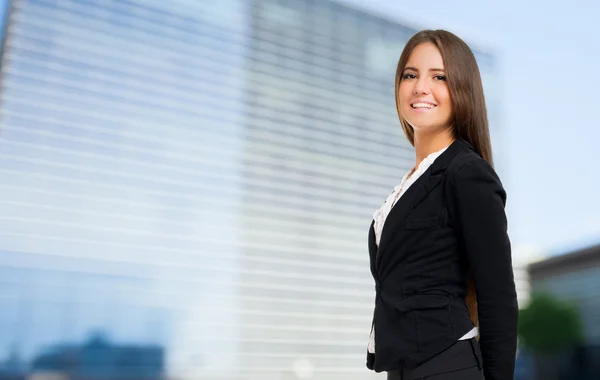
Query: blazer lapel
x=414, y=195
x=409, y=200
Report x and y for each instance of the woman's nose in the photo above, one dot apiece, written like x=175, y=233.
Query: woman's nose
x=421, y=87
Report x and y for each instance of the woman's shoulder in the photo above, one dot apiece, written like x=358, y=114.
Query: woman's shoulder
x=468, y=164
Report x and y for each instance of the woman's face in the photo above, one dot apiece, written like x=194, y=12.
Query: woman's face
x=424, y=97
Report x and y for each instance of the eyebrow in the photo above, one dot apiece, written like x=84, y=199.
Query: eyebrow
x=414, y=69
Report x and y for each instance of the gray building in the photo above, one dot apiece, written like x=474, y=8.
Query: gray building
x=199, y=175
x=573, y=276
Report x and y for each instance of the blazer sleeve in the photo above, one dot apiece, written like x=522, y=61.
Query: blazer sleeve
x=477, y=200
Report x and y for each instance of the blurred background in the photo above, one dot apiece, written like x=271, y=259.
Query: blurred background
x=187, y=185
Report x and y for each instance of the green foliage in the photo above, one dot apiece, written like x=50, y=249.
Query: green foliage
x=549, y=324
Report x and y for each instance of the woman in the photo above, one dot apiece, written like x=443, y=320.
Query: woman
x=446, y=305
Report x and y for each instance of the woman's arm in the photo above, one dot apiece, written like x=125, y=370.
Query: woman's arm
x=477, y=200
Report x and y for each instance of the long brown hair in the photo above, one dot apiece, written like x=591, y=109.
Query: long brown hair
x=470, y=122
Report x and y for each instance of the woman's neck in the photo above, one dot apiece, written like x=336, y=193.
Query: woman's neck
x=425, y=144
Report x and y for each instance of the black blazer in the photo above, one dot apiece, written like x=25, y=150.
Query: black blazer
x=450, y=221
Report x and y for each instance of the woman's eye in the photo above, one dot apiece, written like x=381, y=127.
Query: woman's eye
x=440, y=77
x=409, y=76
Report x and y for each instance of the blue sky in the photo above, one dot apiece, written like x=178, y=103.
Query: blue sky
x=548, y=63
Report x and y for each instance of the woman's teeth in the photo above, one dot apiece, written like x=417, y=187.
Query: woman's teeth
x=422, y=105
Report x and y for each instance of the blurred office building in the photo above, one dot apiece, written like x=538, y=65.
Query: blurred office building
x=200, y=175
x=12, y=367
x=98, y=359
x=574, y=277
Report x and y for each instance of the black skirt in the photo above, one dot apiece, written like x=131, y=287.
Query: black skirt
x=461, y=361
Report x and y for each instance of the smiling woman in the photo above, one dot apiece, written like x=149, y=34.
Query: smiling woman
x=439, y=249
x=425, y=97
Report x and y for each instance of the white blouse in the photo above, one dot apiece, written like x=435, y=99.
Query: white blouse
x=381, y=214
x=409, y=178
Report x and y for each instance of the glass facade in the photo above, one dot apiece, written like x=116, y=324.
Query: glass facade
x=196, y=178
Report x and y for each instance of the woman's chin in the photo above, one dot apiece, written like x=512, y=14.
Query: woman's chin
x=426, y=129
x=429, y=127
